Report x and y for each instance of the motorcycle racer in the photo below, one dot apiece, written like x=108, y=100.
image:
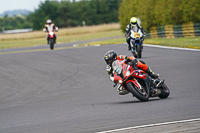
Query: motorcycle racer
x=133, y=23
x=49, y=26
x=111, y=56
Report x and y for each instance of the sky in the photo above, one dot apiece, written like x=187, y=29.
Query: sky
x=19, y=4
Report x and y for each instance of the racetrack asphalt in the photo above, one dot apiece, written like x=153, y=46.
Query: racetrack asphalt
x=67, y=90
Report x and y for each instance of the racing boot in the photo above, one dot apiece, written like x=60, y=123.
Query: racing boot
x=151, y=73
x=128, y=42
x=129, y=47
x=47, y=39
x=55, y=39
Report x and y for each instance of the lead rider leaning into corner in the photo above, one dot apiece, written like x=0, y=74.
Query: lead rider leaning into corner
x=111, y=56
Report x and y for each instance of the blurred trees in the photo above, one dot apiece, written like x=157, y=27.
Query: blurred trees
x=45, y=11
x=159, y=12
x=14, y=22
x=68, y=13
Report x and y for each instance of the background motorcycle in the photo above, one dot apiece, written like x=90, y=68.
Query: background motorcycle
x=139, y=83
x=136, y=42
x=51, y=39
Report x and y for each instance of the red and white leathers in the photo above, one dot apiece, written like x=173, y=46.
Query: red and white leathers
x=50, y=28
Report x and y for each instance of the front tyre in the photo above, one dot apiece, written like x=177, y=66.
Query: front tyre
x=51, y=44
x=139, y=51
x=164, y=92
x=141, y=94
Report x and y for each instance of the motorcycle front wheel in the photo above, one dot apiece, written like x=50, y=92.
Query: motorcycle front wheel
x=51, y=44
x=139, y=51
x=140, y=94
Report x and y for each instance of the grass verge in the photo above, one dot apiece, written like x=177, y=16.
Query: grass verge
x=64, y=35
x=187, y=42
x=86, y=33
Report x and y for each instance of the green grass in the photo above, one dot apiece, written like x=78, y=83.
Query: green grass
x=187, y=42
x=13, y=43
x=64, y=35
x=106, y=42
x=86, y=33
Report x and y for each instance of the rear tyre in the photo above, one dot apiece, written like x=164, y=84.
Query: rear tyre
x=164, y=92
x=142, y=95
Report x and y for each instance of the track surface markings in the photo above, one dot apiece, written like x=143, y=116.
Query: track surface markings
x=150, y=125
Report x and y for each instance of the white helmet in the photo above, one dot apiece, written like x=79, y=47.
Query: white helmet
x=48, y=21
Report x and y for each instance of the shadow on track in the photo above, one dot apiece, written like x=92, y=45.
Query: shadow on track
x=137, y=101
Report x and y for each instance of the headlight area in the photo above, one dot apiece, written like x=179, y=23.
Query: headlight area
x=128, y=73
x=120, y=81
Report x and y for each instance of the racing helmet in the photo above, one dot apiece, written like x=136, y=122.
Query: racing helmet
x=133, y=21
x=110, y=56
x=48, y=21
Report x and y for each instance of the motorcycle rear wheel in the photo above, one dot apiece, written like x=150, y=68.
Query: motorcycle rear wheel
x=138, y=94
x=164, y=92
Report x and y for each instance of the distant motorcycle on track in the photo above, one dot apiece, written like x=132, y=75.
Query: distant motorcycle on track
x=51, y=39
x=136, y=42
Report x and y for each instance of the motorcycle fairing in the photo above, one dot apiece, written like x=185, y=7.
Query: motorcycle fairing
x=134, y=81
x=139, y=74
x=51, y=34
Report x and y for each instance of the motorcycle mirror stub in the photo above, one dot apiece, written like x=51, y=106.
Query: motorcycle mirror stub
x=119, y=70
x=128, y=73
x=120, y=81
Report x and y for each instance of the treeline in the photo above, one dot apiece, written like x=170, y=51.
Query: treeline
x=159, y=12
x=65, y=13
x=71, y=14
x=14, y=22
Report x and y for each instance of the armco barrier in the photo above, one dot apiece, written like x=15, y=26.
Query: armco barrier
x=169, y=31
x=197, y=29
x=174, y=31
x=17, y=31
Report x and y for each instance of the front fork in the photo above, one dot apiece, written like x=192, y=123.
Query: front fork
x=133, y=46
x=133, y=51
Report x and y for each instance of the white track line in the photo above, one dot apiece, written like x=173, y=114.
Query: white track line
x=158, y=46
x=150, y=125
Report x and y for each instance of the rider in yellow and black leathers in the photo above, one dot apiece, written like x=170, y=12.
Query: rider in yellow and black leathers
x=133, y=23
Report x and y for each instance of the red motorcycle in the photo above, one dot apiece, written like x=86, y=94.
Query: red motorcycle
x=139, y=83
x=51, y=39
